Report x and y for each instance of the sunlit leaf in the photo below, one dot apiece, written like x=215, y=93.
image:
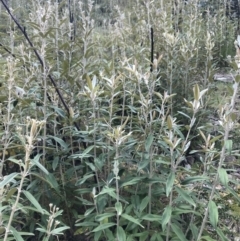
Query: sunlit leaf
x=169, y=122
x=202, y=93
x=196, y=92
x=168, y=142
x=118, y=207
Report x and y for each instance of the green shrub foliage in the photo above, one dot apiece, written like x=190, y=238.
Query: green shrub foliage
x=99, y=141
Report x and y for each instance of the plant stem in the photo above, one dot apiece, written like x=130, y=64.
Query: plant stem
x=222, y=157
x=19, y=191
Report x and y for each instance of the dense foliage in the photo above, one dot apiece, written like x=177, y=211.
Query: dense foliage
x=100, y=143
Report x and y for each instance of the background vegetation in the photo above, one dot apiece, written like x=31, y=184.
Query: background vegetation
x=97, y=142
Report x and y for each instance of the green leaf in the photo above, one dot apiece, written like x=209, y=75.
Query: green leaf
x=144, y=163
x=7, y=179
x=167, y=141
x=62, y=143
x=58, y=231
x=156, y=237
x=26, y=233
x=178, y=232
x=159, y=237
x=221, y=235
x=194, y=230
x=86, y=224
x=180, y=211
x=169, y=183
x=132, y=219
x=166, y=217
x=107, y=190
x=144, y=203
x=196, y=92
x=169, y=122
x=185, y=196
x=60, y=112
x=89, y=211
x=144, y=236
x=149, y=142
x=190, y=180
x=93, y=168
x=89, y=82
x=109, y=235
x=223, y=176
x=103, y=216
x=118, y=207
x=228, y=146
x=233, y=193
x=97, y=235
x=133, y=181
x=10, y=193
x=152, y=217
x=84, y=154
x=16, y=234
x=85, y=201
x=207, y=238
x=83, y=180
x=52, y=180
x=49, y=180
x=36, y=162
x=34, y=202
x=55, y=162
x=213, y=213
x=237, y=78
x=215, y=138
x=103, y=226
x=182, y=113
x=202, y=93
x=121, y=235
